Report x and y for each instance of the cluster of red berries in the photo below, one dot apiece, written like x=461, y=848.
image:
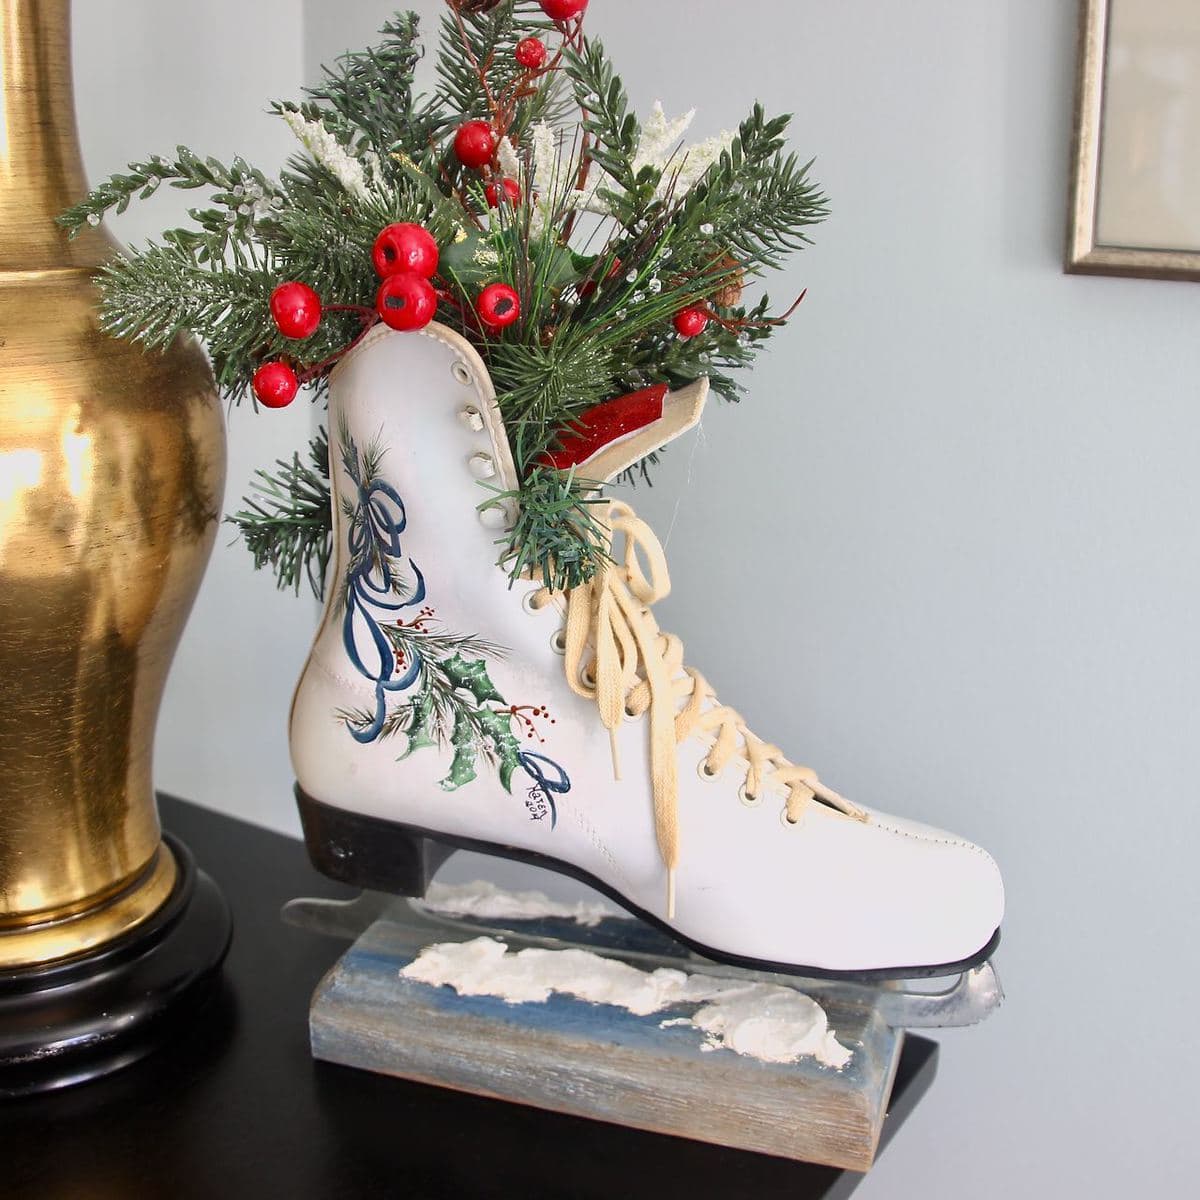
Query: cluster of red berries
x=296, y=310
x=406, y=256
x=475, y=142
x=475, y=146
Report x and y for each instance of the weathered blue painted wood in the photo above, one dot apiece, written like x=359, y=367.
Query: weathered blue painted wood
x=598, y=1060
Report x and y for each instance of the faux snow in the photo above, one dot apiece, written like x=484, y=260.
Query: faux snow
x=769, y=1022
x=488, y=902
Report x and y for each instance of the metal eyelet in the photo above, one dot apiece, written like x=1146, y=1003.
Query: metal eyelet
x=748, y=800
x=632, y=716
x=495, y=517
x=587, y=676
x=481, y=466
x=786, y=821
x=462, y=373
x=472, y=418
x=527, y=601
x=705, y=771
x=558, y=642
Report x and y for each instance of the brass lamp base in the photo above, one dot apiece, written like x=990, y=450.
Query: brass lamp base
x=76, y=1020
x=41, y=943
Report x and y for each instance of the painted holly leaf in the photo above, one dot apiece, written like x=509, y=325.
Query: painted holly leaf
x=498, y=726
x=472, y=676
x=462, y=769
x=418, y=725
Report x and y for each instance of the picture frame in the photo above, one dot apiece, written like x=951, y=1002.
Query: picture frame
x=1135, y=195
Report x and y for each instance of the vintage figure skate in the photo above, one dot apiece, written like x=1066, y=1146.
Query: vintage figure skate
x=442, y=707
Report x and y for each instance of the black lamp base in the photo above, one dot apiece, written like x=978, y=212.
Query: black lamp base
x=66, y=1024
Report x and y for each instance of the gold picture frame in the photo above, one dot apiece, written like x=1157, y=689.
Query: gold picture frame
x=1136, y=150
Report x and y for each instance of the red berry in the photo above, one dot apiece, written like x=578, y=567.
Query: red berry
x=531, y=54
x=296, y=309
x=690, y=321
x=512, y=189
x=406, y=302
x=563, y=10
x=405, y=248
x=498, y=305
x=475, y=143
x=275, y=385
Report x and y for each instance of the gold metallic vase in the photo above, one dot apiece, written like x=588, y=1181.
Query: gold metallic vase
x=111, y=477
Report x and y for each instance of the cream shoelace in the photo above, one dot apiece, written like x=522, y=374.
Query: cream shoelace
x=617, y=655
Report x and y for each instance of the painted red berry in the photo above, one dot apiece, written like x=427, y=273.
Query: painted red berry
x=498, y=305
x=296, y=309
x=405, y=248
x=531, y=54
x=475, y=143
x=563, y=10
x=275, y=385
x=690, y=321
x=406, y=302
x=512, y=189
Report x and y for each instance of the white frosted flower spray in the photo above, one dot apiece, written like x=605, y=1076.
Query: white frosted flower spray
x=660, y=146
x=329, y=152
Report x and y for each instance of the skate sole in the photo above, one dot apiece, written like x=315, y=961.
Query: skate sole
x=387, y=856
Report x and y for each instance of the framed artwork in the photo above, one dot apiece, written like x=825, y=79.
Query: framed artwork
x=1135, y=204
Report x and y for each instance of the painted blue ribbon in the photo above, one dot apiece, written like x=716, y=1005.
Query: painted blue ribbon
x=374, y=541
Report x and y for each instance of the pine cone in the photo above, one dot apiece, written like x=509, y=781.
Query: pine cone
x=729, y=294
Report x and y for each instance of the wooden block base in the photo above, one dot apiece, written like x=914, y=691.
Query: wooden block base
x=602, y=1061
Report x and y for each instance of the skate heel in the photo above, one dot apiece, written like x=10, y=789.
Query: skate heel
x=368, y=852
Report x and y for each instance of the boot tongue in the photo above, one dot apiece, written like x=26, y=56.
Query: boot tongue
x=612, y=437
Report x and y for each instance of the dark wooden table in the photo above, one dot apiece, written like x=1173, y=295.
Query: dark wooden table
x=237, y=1108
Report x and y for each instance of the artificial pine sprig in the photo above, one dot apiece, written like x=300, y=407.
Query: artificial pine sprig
x=366, y=98
x=286, y=523
x=606, y=118
x=756, y=201
x=557, y=537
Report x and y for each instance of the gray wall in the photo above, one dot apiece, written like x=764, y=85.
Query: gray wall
x=945, y=551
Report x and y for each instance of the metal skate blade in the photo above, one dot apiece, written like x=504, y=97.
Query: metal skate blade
x=345, y=919
x=971, y=998
x=965, y=1000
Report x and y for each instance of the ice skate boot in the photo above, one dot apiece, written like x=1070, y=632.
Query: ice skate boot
x=442, y=708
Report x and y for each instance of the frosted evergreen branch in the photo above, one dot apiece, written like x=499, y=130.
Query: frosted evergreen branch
x=163, y=292
x=187, y=170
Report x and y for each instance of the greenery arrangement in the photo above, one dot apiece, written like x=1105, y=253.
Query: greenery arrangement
x=586, y=254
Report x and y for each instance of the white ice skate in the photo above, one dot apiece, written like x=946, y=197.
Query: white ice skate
x=442, y=708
